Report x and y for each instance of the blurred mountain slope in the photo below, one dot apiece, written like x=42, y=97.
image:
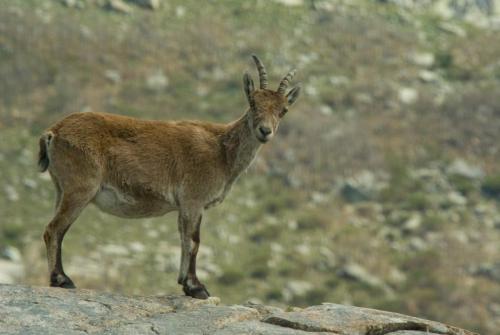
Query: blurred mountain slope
x=383, y=181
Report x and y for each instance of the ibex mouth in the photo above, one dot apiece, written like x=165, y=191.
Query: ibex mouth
x=262, y=140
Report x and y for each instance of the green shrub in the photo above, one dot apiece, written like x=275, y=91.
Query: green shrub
x=443, y=59
x=230, y=277
x=417, y=201
x=462, y=184
x=260, y=272
x=313, y=220
x=491, y=186
x=433, y=222
x=274, y=294
x=266, y=232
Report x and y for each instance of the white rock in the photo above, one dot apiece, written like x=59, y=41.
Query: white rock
x=293, y=224
x=276, y=248
x=453, y=29
x=325, y=110
x=180, y=11
x=357, y=272
x=311, y=90
x=11, y=253
x=303, y=249
x=396, y=276
x=114, y=249
x=460, y=236
x=308, y=58
x=119, y=6
x=417, y=244
x=157, y=80
x=296, y=288
x=339, y=80
x=425, y=59
x=233, y=239
x=364, y=98
x=113, y=76
x=30, y=183
x=407, y=95
x=152, y=233
x=457, y=199
x=290, y=2
x=10, y=272
x=318, y=197
x=151, y=4
x=428, y=76
x=44, y=176
x=137, y=247
x=465, y=169
x=11, y=193
x=413, y=223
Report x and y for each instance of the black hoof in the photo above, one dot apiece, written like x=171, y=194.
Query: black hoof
x=199, y=292
x=61, y=280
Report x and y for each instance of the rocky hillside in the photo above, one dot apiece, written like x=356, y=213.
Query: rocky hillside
x=383, y=182
x=27, y=310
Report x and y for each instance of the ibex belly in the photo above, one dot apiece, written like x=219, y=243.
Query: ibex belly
x=114, y=201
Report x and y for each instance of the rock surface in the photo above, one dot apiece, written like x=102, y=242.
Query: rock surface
x=40, y=310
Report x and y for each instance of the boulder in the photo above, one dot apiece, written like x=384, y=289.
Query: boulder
x=487, y=270
x=408, y=95
x=150, y=4
x=119, y=6
x=79, y=4
x=361, y=187
x=355, y=272
x=465, y=169
x=424, y=59
x=428, y=76
x=11, y=265
x=481, y=13
x=157, y=81
x=41, y=310
x=10, y=272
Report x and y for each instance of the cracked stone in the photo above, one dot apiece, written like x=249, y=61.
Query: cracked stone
x=356, y=321
x=40, y=310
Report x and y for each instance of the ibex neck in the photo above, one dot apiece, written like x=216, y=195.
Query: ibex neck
x=240, y=146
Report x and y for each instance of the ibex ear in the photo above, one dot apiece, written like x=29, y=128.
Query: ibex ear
x=248, y=86
x=293, y=95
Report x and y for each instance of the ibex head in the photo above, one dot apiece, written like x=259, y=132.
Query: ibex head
x=267, y=107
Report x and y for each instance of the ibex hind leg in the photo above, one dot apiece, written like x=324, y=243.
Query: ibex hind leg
x=76, y=180
x=69, y=208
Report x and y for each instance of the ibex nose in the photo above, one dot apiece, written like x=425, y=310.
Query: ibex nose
x=265, y=130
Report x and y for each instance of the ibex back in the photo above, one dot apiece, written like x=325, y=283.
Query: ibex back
x=134, y=168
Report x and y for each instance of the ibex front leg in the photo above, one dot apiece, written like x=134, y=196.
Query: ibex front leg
x=189, y=229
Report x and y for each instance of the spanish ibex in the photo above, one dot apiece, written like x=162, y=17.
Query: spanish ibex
x=134, y=168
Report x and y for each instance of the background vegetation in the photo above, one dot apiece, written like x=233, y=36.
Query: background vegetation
x=381, y=189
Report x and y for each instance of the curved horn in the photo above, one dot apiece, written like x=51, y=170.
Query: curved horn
x=262, y=72
x=285, y=81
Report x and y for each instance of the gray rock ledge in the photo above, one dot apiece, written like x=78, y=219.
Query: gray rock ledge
x=41, y=310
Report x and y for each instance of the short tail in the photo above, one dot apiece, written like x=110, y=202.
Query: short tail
x=43, y=157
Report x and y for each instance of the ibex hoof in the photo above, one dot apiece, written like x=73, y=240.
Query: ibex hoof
x=198, y=292
x=61, y=280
